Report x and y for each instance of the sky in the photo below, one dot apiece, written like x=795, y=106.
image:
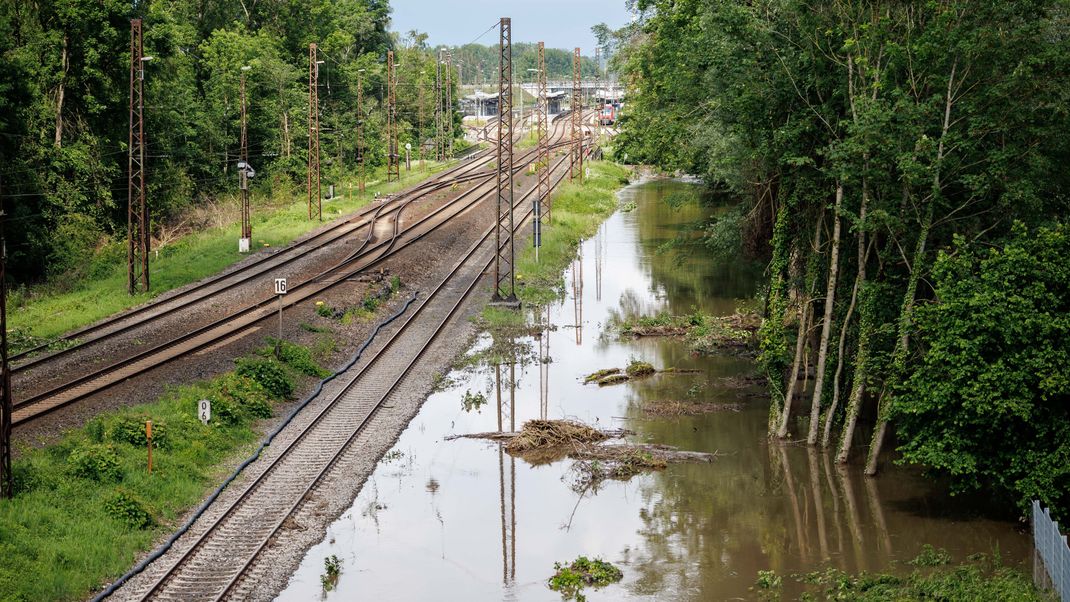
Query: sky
x=559, y=23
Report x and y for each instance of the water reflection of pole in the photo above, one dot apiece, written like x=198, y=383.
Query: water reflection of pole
x=544, y=368
x=819, y=502
x=599, y=258
x=577, y=295
x=498, y=392
x=507, y=504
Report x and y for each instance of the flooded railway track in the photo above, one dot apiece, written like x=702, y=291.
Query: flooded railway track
x=220, y=562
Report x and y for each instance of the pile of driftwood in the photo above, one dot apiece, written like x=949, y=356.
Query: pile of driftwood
x=542, y=441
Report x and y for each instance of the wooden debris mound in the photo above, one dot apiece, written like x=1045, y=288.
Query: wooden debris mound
x=542, y=441
x=674, y=407
x=552, y=433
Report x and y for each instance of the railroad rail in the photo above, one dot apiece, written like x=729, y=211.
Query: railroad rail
x=218, y=562
x=88, y=384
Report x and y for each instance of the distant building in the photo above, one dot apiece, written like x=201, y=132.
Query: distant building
x=480, y=104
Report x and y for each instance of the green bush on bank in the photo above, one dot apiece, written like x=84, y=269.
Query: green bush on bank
x=86, y=507
x=980, y=577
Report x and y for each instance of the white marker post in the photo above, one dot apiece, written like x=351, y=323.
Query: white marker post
x=280, y=290
x=204, y=411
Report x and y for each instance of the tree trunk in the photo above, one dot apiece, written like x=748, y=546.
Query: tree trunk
x=866, y=330
x=858, y=388
x=805, y=314
x=900, y=353
x=830, y=413
x=65, y=62
x=793, y=379
x=826, y=326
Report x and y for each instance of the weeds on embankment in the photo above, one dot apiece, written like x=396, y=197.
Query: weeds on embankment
x=980, y=577
x=42, y=312
x=86, y=507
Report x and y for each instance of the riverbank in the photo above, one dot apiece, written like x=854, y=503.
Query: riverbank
x=441, y=513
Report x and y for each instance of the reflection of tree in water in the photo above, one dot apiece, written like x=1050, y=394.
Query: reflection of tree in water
x=688, y=278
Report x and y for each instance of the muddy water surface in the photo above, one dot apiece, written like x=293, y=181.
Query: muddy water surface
x=461, y=520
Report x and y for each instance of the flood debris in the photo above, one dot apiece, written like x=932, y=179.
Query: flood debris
x=637, y=369
x=570, y=579
x=543, y=434
x=675, y=407
x=599, y=375
x=634, y=369
x=544, y=441
x=613, y=379
x=705, y=333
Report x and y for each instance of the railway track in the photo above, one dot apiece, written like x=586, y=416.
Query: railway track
x=231, y=279
x=220, y=562
x=228, y=327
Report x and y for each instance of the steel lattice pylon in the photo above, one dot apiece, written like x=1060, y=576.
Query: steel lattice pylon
x=599, y=105
x=440, y=153
x=503, y=236
x=545, y=209
x=243, y=172
x=393, y=167
x=360, y=133
x=448, y=112
x=575, y=169
x=314, y=134
x=6, y=403
x=137, y=215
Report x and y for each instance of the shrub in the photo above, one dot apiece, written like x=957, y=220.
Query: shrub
x=241, y=394
x=299, y=358
x=126, y=507
x=95, y=462
x=131, y=429
x=269, y=374
x=570, y=579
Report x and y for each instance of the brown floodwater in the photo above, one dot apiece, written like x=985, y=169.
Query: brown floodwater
x=461, y=520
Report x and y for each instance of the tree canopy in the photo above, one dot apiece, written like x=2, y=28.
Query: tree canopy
x=869, y=141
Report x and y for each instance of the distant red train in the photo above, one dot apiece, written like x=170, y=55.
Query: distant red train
x=608, y=115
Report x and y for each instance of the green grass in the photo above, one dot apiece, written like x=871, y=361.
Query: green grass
x=981, y=577
x=86, y=507
x=47, y=311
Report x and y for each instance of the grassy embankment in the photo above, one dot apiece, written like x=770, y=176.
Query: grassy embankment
x=47, y=311
x=935, y=577
x=86, y=507
x=578, y=209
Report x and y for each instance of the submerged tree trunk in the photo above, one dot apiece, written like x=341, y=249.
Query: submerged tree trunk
x=858, y=388
x=805, y=316
x=830, y=413
x=899, y=355
x=902, y=344
x=826, y=326
x=866, y=327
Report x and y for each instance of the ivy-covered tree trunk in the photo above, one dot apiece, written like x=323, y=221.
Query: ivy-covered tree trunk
x=902, y=346
x=771, y=332
x=826, y=326
x=830, y=413
x=805, y=314
x=867, y=325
